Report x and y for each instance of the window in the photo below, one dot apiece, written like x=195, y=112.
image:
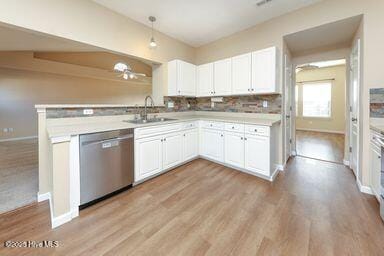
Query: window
x=317, y=100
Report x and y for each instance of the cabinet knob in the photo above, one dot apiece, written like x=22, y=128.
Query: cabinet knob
x=379, y=157
x=233, y=127
x=241, y=138
x=245, y=138
x=165, y=139
x=222, y=135
x=255, y=130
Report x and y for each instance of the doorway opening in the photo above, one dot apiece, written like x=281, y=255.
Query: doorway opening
x=320, y=105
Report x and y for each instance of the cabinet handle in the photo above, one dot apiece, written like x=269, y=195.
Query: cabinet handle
x=222, y=135
x=255, y=130
x=252, y=89
x=245, y=138
x=161, y=140
x=165, y=139
x=241, y=138
x=233, y=127
x=379, y=157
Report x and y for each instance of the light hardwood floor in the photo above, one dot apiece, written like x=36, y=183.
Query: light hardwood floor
x=320, y=145
x=18, y=173
x=202, y=208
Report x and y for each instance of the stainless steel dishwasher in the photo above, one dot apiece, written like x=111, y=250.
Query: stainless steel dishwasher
x=106, y=164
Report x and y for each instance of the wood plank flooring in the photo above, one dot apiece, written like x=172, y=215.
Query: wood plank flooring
x=202, y=208
x=320, y=145
x=18, y=173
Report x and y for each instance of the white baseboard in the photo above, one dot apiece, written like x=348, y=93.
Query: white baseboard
x=319, y=130
x=18, y=138
x=43, y=197
x=345, y=162
x=364, y=189
x=60, y=220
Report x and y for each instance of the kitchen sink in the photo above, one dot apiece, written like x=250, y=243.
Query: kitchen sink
x=152, y=120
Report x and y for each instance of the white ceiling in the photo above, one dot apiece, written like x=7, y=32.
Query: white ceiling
x=199, y=22
x=338, y=34
x=12, y=39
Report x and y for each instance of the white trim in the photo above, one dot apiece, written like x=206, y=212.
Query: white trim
x=364, y=189
x=60, y=139
x=280, y=167
x=19, y=138
x=74, y=176
x=320, y=130
x=40, y=110
x=43, y=197
x=294, y=153
x=60, y=220
x=346, y=162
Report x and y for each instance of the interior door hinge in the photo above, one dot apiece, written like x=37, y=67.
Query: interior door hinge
x=350, y=149
x=290, y=141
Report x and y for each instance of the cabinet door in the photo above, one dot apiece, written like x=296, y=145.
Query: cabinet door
x=190, y=144
x=172, y=150
x=234, y=149
x=148, y=157
x=205, y=80
x=257, y=154
x=187, y=79
x=241, y=74
x=264, y=71
x=222, y=77
x=173, y=78
x=213, y=144
x=375, y=168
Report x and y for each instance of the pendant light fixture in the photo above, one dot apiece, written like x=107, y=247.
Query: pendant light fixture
x=152, y=42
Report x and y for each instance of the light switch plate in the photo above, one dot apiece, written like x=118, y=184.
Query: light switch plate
x=265, y=104
x=88, y=111
x=212, y=104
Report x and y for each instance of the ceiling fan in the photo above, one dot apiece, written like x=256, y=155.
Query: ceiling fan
x=124, y=70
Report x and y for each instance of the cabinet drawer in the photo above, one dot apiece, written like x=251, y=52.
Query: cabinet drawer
x=212, y=125
x=155, y=130
x=257, y=130
x=231, y=127
x=189, y=125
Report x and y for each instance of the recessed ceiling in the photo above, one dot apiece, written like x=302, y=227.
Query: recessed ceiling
x=339, y=33
x=199, y=22
x=14, y=39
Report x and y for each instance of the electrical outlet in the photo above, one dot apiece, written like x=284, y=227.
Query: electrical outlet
x=170, y=104
x=265, y=104
x=88, y=111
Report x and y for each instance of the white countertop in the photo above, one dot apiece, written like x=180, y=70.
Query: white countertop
x=64, y=127
x=377, y=124
x=48, y=106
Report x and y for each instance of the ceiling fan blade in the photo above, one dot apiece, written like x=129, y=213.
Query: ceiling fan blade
x=139, y=74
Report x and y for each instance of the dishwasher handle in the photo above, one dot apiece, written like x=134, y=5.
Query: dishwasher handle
x=108, y=142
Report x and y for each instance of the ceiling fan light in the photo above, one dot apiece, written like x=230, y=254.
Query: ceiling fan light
x=132, y=76
x=120, y=66
x=125, y=76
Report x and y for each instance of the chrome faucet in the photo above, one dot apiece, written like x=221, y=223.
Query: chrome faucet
x=145, y=115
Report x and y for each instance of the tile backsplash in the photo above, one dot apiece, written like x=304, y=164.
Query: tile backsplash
x=376, y=103
x=241, y=104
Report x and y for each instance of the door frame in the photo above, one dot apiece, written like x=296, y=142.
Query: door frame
x=356, y=47
x=288, y=111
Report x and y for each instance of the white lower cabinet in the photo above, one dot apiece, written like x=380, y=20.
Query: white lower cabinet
x=190, y=144
x=212, y=144
x=257, y=154
x=245, y=147
x=148, y=157
x=375, y=167
x=172, y=150
x=234, y=149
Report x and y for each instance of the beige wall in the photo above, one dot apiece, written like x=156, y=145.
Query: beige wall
x=272, y=32
x=337, y=121
x=21, y=89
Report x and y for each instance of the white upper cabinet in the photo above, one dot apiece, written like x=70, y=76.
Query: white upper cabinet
x=222, y=77
x=205, y=80
x=241, y=74
x=264, y=71
x=181, y=78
